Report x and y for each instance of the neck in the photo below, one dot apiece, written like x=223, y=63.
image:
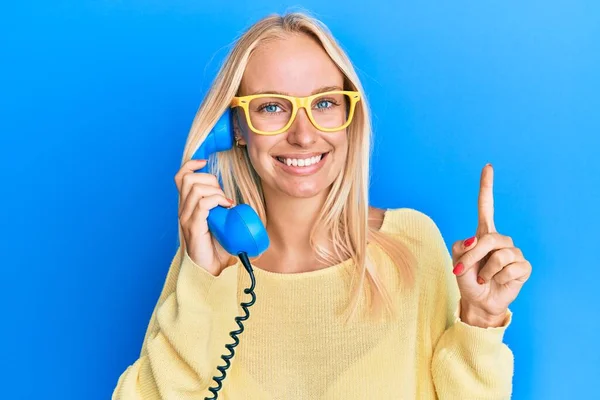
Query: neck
x=290, y=220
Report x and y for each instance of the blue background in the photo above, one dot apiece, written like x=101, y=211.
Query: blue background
x=97, y=99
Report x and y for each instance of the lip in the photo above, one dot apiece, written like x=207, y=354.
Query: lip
x=302, y=171
x=300, y=155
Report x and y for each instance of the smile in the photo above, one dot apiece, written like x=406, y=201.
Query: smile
x=301, y=166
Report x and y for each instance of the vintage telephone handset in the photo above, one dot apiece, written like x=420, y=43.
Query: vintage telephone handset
x=238, y=229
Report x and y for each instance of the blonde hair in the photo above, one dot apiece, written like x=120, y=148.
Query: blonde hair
x=346, y=209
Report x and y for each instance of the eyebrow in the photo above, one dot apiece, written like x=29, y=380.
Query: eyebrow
x=319, y=90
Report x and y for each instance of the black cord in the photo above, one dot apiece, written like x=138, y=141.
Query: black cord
x=246, y=262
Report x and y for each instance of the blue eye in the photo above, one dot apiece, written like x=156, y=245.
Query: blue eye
x=324, y=104
x=271, y=108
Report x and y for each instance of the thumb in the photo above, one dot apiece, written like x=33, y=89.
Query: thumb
x=460, y=247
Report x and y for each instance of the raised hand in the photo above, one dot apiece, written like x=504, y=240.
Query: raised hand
x=489, y=269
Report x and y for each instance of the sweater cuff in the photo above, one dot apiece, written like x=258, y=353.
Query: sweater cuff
x=198, y=288
x=200, y=277
x=469, y=335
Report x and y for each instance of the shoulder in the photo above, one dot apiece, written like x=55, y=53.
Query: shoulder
x=410, y=222
x=419, y=232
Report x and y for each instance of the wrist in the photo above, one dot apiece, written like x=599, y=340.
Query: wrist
x=475, y=316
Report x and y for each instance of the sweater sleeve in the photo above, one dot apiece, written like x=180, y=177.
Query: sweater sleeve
x=178, y=361
x=468, y=362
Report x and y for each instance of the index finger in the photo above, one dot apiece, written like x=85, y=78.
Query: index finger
x=188, y=167
x=486, y=201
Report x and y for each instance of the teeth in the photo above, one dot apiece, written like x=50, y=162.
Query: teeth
x=301, y=162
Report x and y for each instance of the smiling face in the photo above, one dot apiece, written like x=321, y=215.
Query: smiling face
x=302, y=161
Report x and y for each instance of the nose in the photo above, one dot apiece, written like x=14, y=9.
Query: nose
x=302, y=132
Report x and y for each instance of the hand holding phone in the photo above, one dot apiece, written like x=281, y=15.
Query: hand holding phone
x=199, y=193
x=213, y=227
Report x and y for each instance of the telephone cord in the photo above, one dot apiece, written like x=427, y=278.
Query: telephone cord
x=226, y=357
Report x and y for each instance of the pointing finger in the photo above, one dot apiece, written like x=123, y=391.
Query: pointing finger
x=486, y=201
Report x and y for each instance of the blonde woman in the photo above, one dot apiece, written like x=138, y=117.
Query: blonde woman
x=353, y=302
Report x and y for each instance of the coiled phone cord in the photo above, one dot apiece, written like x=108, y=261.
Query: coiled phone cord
x=218, y=379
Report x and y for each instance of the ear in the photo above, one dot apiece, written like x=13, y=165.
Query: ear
x=237, y=129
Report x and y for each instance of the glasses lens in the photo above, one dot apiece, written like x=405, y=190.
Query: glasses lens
x=330, y=111
x=269, y=114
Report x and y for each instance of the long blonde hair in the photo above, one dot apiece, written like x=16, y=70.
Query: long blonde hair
x=346, y=209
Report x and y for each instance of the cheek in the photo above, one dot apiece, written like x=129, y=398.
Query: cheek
x=340, y=145
x=258, y=150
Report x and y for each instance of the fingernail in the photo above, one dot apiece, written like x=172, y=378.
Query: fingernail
x=229, y=200
x=458, y=269
x=480, y=280
x=468, y=242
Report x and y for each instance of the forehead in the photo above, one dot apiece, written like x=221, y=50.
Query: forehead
x=297, y=65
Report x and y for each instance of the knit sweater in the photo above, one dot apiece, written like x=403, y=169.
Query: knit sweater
x=295, y=345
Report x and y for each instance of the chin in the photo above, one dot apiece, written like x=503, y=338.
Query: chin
x=304, y=190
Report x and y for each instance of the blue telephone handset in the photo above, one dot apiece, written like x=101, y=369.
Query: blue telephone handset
x=237, y=229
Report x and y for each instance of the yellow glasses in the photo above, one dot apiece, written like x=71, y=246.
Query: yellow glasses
x=271, y=114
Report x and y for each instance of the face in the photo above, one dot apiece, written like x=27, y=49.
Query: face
x=296, y=66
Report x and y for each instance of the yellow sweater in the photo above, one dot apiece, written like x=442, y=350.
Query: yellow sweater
x=294, y=345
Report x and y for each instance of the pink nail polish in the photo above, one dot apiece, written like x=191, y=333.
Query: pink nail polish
x=480, y=280
x=468, y=242
x=458, y=269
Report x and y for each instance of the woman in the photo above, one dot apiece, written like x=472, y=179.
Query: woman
x=352, y=302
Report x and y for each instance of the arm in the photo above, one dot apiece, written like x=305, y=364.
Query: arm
x=177, y=359
x=469, y=362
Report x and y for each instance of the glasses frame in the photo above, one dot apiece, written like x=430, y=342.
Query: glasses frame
x=297, y=103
